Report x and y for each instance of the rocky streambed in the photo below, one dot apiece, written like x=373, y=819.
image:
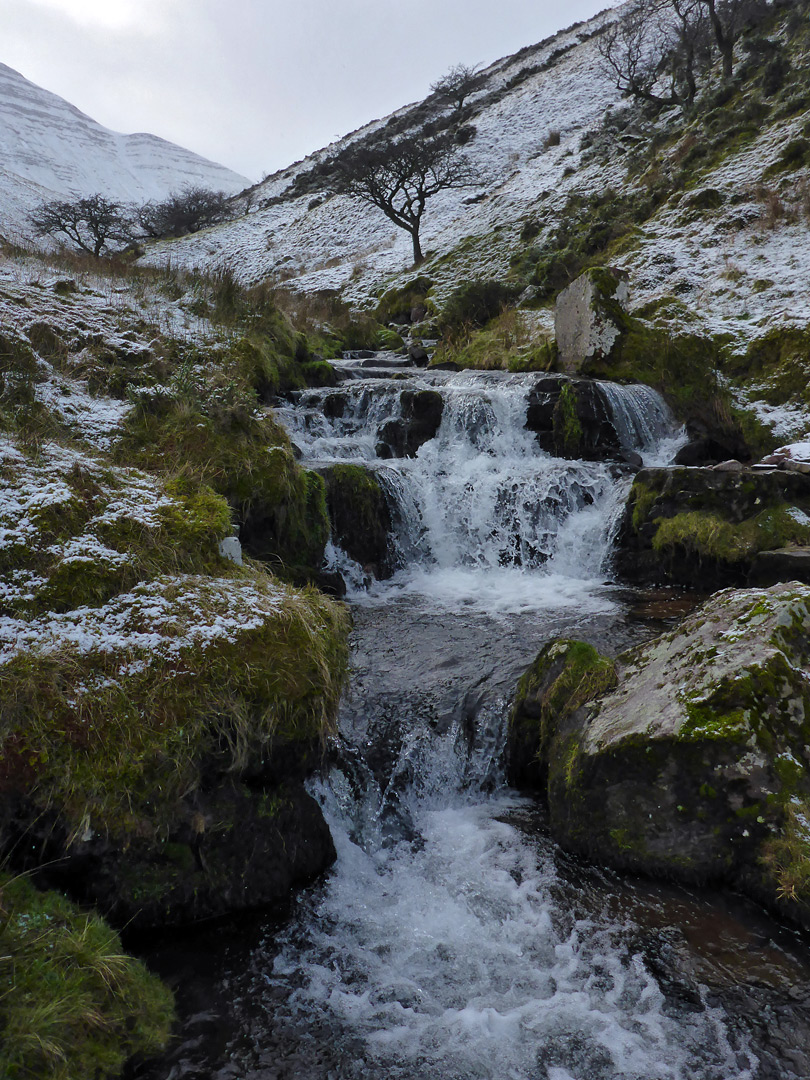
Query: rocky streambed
x=453, y=937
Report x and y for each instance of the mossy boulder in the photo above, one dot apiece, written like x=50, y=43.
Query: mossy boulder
x=405, y=304
x=704, y=528
x=571, y=418
x=73, y=1005
x=688, y=756
x=360, y=516
x=214, y=434
x=162, y=719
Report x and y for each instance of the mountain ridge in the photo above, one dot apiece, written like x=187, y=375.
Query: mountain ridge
x=51, y=149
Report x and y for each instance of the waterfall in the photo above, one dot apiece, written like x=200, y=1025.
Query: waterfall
x=450, y=940
x=481, y=497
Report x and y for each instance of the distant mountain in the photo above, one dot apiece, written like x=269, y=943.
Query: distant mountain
x=48, y=149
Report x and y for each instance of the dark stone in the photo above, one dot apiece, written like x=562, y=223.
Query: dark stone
x=334, y=405
x=446, y=365
x=571, y=418
x=236, y=843
x=419, y=422
x=630, y=457
x=418, y=355
x=782, y=564
x=332, y=583
x=734, y=497
x=360, y=516
x=669, y=760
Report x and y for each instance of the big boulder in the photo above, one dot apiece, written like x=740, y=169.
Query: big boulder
x=704, y=528
x=571, y=418
x=419, y=420
x=589, y=318
x=689, y=756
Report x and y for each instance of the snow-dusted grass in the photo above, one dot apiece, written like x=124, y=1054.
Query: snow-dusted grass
x=108, y=712
x=76, y=530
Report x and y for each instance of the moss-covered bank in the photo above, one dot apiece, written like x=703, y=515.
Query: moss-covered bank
x=152, y=692
x=73, y=1005
x=704, y=528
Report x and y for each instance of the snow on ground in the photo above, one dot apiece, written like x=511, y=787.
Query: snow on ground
x=341, y=243
x=738, y=274
x=159, y=619
x=91, y=312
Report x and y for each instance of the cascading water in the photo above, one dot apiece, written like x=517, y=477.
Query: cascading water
x=448, y=943
x=483, y=514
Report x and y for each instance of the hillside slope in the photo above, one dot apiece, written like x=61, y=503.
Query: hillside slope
x=48, y=148
x=735, y=258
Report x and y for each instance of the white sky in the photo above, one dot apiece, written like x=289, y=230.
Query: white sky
x=257, y=84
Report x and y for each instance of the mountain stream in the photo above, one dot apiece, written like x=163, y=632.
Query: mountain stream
x=452, y=940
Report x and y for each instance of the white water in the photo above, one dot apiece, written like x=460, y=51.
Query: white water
x=445, y=945
x=448, y=946
x=482, y=498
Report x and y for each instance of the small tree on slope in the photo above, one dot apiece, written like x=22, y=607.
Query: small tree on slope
x=457, y=85
x=399, y=178
x=91, y=223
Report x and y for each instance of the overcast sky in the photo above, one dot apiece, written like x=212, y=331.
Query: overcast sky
x=257, y=84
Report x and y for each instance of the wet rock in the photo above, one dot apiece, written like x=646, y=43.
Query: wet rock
x=733, y=466
x=704, y=528
x=783, y=564
x=688, y=758
x=571, y=418
x=418, y=355
x=421, y=415
x=589, y=318
x=360, y=516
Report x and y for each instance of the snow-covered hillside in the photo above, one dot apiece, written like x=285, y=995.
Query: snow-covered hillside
x=48, y=148
x=557, y=85
x=739, y=268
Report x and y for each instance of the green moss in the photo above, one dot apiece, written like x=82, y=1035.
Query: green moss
x=396, y=305
x=779, y=364
x=391, y=340
x=567, y=428
x=214, y=436
x=505, y=343
x=708, y=536
x=704, y=535
x=73, y=1005
x=795, y=155
x=642, y=498
x=118, y=733
x=565, y=676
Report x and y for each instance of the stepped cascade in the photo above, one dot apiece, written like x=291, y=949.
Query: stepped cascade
x=481, y=495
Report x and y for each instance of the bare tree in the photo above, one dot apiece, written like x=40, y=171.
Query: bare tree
x=91, y=223
x=653, y=52
x=728, y=18
x=457, y=85
x=184, y=212
x=400, y=177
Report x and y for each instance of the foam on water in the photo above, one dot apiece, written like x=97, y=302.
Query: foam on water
x=443, y=944
x=482, y=496
x=452, y=958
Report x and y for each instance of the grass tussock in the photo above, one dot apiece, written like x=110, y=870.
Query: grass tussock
x=112, y=716
x=73, y=1005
